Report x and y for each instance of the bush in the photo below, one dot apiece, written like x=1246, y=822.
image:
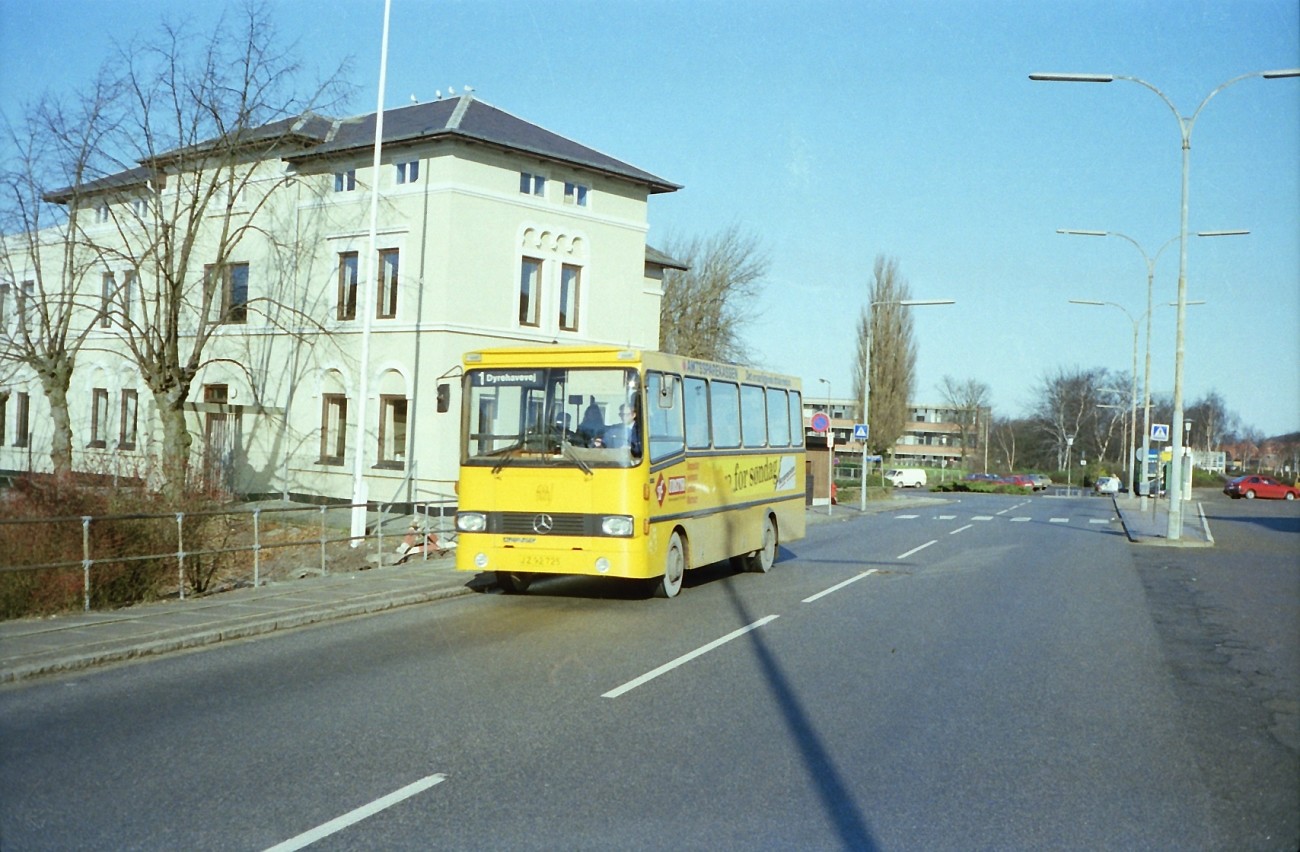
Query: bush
x=128, y=531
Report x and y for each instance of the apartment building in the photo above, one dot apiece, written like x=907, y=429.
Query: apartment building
x=932, y=436
x=490, y=231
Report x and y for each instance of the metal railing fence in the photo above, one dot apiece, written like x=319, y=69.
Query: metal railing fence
x=428, y=520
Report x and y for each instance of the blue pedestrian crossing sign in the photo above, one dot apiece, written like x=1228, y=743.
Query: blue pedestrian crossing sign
x=1160, y=431
x=859, y=431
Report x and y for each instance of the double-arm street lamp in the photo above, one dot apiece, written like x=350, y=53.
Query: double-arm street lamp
x=1150, y=260
x=866, y=379
x=1185, y=125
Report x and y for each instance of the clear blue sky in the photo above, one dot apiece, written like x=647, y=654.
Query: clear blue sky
x=837, y=131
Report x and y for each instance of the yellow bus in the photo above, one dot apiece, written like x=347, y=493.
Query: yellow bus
x=624, y=463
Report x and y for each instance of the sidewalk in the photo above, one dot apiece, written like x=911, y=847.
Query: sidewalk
x=1151, y=525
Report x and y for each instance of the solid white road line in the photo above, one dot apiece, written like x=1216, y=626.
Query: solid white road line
x=961, y=529
x=686, y=658
x=907, y=517
x=352, y=817
x=838, y=586
x=915, y=550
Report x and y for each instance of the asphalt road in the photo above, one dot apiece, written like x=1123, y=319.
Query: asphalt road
x=992, y=673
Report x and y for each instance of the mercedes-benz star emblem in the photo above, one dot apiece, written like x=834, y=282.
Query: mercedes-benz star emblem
x=542, y=524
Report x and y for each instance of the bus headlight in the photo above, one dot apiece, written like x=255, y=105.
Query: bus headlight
x=471, y=522
x=620, y=526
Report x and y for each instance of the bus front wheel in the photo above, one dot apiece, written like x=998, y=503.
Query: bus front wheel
x=761, y=560
x=674, y=569
x=513, y=582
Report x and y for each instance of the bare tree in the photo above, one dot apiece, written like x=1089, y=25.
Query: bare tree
x=44, y=262
x=706, y=307
x=1211, y=421
x=970, y=399
x=207, y=119
x=1067, y=412
x=892, y=355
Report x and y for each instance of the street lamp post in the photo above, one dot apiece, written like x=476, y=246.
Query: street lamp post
x=1185, y=125
x=830, y=452
x=1132, y=431
x=866, y=380
x=1150, y=261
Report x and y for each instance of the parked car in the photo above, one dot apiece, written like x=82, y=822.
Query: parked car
x=1106, y=485
x=906, y=477
x=1265, y=487
x=1019, y=480
x=981, y=477
x=1041, y=481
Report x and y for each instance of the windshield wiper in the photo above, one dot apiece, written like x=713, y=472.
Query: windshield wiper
x=567, y=449
x=507, y=456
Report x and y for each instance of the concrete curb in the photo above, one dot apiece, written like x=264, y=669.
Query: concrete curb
x=197, y=639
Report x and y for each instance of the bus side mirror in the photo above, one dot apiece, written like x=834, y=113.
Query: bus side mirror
x=444, y=397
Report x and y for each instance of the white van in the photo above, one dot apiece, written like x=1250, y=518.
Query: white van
x=906, y=478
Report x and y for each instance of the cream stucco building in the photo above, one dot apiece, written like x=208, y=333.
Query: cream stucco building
x=490, y=231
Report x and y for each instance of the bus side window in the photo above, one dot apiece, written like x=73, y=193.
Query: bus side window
x=778, y=418
x=724, y=407
x=667, y=436
x=697, y=414
x=753, y=416
x=796, y=417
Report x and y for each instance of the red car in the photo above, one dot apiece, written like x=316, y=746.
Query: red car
x=1251, y=487
x=1018, y=479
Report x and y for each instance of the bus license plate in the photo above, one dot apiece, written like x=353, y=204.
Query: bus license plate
x=538, y=560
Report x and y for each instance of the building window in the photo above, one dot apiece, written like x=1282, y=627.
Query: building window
x=392, y=431
x=531, y=184
x=4, y=306
x=101, y=214
x=4, y=408
x=575, y=193
x=98, y=417
x=139, y=207
x=107, y=287
x=22, y=426
x=234, y=292
x=530, y=289
x=130, y=405
x=333, y=428
x=347, y=303
x=216, y=394
x=570, y=289
x=388, y=268
x=408, y=172
x=23, y=298
x=128, y=285
x=345, y=181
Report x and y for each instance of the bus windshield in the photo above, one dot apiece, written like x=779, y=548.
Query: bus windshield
x=553, y=416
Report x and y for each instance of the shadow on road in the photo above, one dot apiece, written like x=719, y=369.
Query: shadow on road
x=850, y=823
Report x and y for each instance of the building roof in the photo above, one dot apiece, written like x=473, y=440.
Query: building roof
x=464, y=117
x=655, y=256
x=467, y=118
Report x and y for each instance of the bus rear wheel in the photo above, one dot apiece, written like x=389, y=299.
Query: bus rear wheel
x=514, y=582
x=761, y=560
x=670, y=584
